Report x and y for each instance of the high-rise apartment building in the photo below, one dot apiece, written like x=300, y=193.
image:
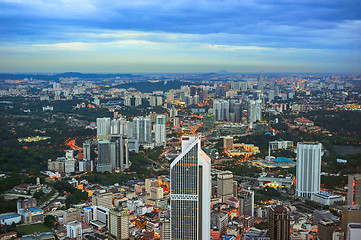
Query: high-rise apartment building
x=308, y=169
x=160, y=132
x=225, y=185
x=142, y=130
x=119, y=223
x=221, y=110
x=354, y=190
x=118, y=126
x=190, y=192
x=279, y=223
x=103, y=128
x=255, y=111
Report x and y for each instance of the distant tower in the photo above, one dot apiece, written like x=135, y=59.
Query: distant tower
x=261, y=82
x=279, y=223
x=308, y=169
x=160, y=133
x=191, y=192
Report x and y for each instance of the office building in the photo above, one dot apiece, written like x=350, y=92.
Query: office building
x=326, y=228
x=228, y=142
x=160, y=133
x=103, y=128
x=119, y=223
x=74, y=230
x=142, y=130
x=308, y=169
x=119, y=154
x=354, y=190
x=156, y=193
x=246, y=203
x=164, y=229
x=86, y=151
x=69, y=165
x=104, y=164
x=103, y=199
x=260, y=85
x=350, y=214
x=72, y=214
x=86, y=166
x=221, y=110
x=354, y=231
x=255, y=111
x=318, y=215
x=190, y=192
x=225, y=185
x=279, y=223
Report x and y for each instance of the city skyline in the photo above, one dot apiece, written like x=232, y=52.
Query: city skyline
x=157, y=36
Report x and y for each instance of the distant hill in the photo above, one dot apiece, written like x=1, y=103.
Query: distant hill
x=8, y=76
x=155, y=86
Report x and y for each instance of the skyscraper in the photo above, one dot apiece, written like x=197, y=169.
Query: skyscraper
x=279, y=223
x=308, y=169
x=354, y=190
x=119, y=223
x=103, y=128
x=255, y=111
x=221, y=110
x=225, y=185
x=261, y=82
x=246, y=203
x=104, y=163
x=119, y=154
x=160, y=133
x=86, y=151
x=190, y=192
x=142, y=130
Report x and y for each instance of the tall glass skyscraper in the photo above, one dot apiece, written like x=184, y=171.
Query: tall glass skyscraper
x=190, y=195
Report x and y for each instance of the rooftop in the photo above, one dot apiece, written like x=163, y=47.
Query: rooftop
x=8, y=215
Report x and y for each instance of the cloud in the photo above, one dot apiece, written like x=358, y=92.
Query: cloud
x=229, y=28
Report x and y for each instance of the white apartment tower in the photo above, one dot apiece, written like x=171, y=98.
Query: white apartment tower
x=142, y=130
x=308, y=169
x=190, y=189
x=255, y=111
x=160, y=133
x=221, y=110
x=103, y=128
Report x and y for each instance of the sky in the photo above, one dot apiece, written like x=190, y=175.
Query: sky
x=133, y=36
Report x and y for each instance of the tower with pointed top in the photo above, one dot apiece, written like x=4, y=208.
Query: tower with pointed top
x=190, y=189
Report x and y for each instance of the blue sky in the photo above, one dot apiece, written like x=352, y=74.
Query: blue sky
x=180, y=35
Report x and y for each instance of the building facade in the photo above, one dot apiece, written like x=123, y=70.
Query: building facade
x=279, y=223
x=308, y=169
x=190, y=192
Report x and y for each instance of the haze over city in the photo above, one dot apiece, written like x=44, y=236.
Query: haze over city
x=180, y=36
